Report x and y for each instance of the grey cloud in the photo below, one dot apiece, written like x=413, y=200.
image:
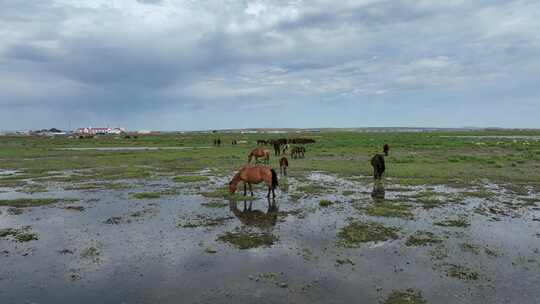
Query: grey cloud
x=150, y=1
x=122, y=62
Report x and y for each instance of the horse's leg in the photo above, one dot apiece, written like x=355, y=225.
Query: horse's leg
x=285, y=171
x=268, y=195
x=273, y=192
x=250, y=190
x=245, y=186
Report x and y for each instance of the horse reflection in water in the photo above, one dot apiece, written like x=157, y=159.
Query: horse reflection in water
x=256, y=218
x=378, y=192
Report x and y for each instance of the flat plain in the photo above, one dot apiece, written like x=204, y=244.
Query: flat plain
x=109, y=219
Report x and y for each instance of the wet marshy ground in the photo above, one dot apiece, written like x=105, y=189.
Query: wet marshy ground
x=323, y=240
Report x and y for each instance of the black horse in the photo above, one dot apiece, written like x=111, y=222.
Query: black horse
x=386, y=148
x=277, y=148
x=377, y=162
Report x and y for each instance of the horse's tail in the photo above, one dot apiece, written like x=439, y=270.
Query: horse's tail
x=274, y=179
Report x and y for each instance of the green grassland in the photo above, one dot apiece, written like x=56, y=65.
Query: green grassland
x=415, y=158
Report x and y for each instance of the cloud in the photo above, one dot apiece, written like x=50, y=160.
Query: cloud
x=124, y=60
x=150, y=1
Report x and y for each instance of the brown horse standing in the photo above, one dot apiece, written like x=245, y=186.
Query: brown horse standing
x=254, y=175
x=283, y=165
x=258, y=153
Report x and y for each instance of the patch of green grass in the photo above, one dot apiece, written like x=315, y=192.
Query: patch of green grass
x=356, y=233
x=440, y=252
x=75, y=208
x=215, y=204
x=461, y=272
x=348, y=193
x=430, y=203
x=90, y=253
x=390, y=209
x=529, y=201
x=470, y=248
x=325, y=203
x=340, y=262
x=408, y=296
x=399, y=189
x=518, y=189
x=115, y=220
x=475, y=249
x=480, y=193
x=26, y=237
x=28, y=202
x=96, y=186
x=248, y=239
x=190, y=178
x=34, y=188
x=7, y=232
x=15, y=211
x=457, y=222
x=210, y=250
x=123, y=173
x=147, y=195
x=295, y=197
x=423, y=238
x=284, y=184
x=11, y=183
x=20, y=235
x=311, y=189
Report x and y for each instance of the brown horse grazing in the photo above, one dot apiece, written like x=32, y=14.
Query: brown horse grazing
x=254, y=175
x=377, y=162
x=258, y=153
x=283, y=165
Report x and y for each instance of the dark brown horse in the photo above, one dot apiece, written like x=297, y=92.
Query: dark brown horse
x=258, y=153
x=277, y=149
x=386, y=149
x=255, y=175
x=298, y=152
x=283, y=165
x=377, y=162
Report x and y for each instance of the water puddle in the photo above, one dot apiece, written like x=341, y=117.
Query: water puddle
x=366, y=242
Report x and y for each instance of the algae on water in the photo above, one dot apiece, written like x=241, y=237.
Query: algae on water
x=356, y=233
x=408, y=296
x=248, y=239
x=28, y=202
x=423, y=238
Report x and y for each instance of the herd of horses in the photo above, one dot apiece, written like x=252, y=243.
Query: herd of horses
x=254, y=174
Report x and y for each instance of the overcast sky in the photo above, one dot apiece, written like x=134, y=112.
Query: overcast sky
x=209, y=64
